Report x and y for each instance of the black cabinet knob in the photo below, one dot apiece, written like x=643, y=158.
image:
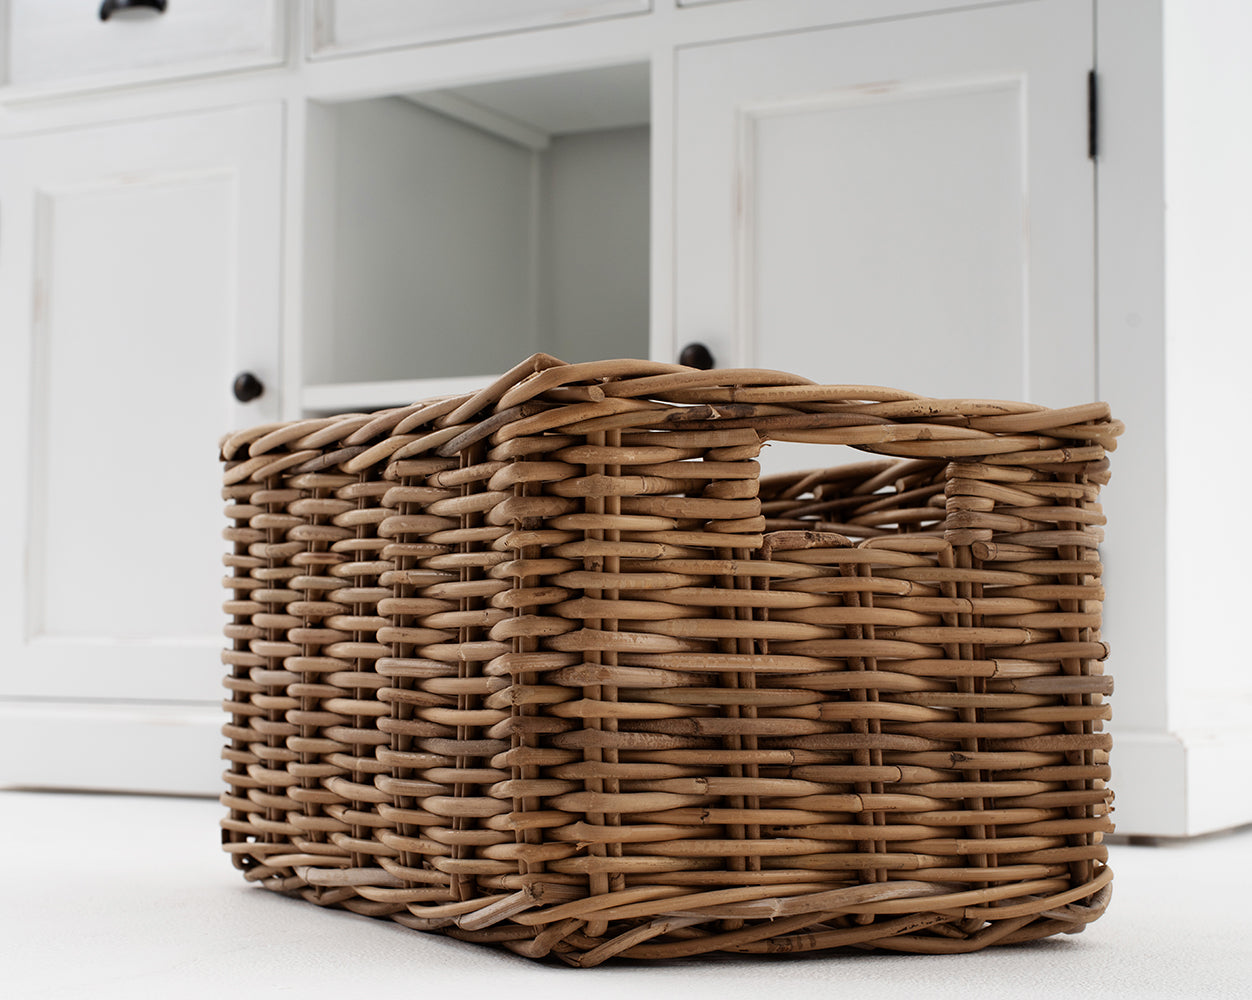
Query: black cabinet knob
x=111, y=7
x=247, y=387
x=696, y=356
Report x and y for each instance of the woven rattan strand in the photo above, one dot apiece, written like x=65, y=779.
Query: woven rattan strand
x=550, y=666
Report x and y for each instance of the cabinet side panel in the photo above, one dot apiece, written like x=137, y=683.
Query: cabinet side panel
x=1208, y=313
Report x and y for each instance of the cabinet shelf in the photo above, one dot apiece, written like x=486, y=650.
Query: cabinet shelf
x=345, y=397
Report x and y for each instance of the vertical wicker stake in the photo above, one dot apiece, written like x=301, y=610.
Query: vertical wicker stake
x=549, y=666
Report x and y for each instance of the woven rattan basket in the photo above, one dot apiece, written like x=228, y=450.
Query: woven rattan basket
x=551, y=666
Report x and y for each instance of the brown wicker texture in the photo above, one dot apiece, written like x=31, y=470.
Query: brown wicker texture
x=550, y=666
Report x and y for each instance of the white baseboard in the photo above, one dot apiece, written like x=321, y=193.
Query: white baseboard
x=173, y=749
x=1166, y=784
x=1181, y=784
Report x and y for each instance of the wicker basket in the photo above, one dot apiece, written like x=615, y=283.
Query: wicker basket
x=550, y=666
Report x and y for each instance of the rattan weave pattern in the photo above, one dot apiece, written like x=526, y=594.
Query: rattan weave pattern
x=551, y=666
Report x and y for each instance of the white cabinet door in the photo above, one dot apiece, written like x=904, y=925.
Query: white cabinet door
x=141, y=273
x=907, y=202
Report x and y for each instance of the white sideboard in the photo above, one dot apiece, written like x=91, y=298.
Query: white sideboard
x=364, y=202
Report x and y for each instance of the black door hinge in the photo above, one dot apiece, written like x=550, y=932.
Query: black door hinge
x=1093, y=116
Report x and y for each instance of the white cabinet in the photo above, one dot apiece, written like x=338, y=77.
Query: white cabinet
x=906, y=202
x=858, y=190
x=151, y=280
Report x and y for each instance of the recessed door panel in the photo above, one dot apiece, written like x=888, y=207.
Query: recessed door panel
x=933, y=187
x=137, y=289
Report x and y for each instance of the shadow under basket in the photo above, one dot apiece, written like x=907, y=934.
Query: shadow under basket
x=551, y=667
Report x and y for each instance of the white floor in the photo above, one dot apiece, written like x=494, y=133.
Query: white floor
x=120, y=896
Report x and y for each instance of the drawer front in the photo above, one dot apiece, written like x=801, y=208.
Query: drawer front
x=65, y=43
x=364, y=25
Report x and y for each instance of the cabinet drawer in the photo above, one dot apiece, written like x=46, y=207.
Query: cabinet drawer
x=65, y=44
x=363, y=25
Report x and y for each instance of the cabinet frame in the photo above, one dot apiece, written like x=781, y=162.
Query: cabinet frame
x=1168, y=782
